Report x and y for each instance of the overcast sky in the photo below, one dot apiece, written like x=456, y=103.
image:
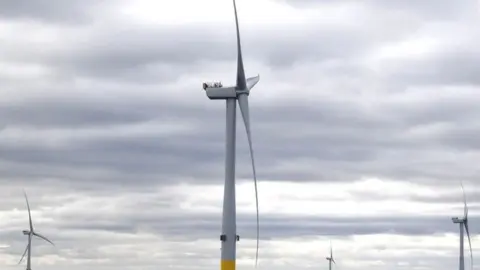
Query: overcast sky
x=364, y=122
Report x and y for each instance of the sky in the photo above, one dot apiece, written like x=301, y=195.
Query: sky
x=364, y=122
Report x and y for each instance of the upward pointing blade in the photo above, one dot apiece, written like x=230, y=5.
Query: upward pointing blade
x=29, y=215
x=465, y=208
x=331, y=253
x=241, y=81
x=243, y=104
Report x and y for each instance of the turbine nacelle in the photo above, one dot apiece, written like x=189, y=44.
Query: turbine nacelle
x=214, y=92
x=25, y=232
x=458, y=220
x=221, y=93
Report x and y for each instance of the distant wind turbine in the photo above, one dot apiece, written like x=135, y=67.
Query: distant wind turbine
x=232, y=94
x=331, y=259
x=463, y=222
x=30, y=233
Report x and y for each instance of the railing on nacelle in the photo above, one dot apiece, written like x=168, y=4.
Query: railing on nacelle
x=212, y=85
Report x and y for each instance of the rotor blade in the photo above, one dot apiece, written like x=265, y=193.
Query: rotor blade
x=29, y=215
x=465, y=207
x=331, y=251
x=44, y=238
x=333, y=261
x=23, y=256
x=469, y=241
x=243, y=104
x=252, y=81
x=241, y=82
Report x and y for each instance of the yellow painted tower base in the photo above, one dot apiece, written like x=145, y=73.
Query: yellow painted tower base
x=227, y=265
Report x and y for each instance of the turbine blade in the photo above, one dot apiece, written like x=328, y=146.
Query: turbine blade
x=465, y=207
x=43, y=237
x=469, y=242
x=243, y=104
x=241, y=82
x=23, y=256
x=333, y=261
x=29, y=214
x=252, y=81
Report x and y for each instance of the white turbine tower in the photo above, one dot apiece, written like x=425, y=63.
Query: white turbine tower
x=463, y=222
x=232, y=94
x=330, y=259
x=30, y=233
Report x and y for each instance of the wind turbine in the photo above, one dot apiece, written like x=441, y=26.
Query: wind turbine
x=464, y=222
x=330, y=259
x=30, y=233
x=231, y=95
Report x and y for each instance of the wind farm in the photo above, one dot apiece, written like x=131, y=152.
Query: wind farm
x=357, y=149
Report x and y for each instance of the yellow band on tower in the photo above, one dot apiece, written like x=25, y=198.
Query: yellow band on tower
x=227, y=265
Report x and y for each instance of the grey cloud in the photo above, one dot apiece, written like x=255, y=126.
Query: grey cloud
x=431, y=9
x=117, y=51
x=71, y=113
x=55, y=11
x=428, y=9
x=442, y=69
x=437, y=197
x=93, y=127
x=181, y=226
x=339, y=141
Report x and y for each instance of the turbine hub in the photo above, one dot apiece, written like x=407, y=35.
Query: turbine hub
x=239, y=92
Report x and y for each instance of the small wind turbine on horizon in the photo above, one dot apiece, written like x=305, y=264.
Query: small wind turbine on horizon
x=330, y=259
x=30, y=233
x=231, y=95
x=463, y=222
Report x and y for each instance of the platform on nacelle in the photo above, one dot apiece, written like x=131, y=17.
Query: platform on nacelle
x=212, y=85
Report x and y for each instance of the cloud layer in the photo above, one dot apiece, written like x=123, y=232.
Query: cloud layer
x=364, y=122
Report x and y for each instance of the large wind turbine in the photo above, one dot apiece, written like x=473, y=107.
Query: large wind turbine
x=232, y=94
x=463, y=222
x=330, y=259
x=30, y=233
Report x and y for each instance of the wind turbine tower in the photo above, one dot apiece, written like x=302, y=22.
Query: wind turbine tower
x=463, y=222
x=232, y=94
x=31, y=233
x=330, y=259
